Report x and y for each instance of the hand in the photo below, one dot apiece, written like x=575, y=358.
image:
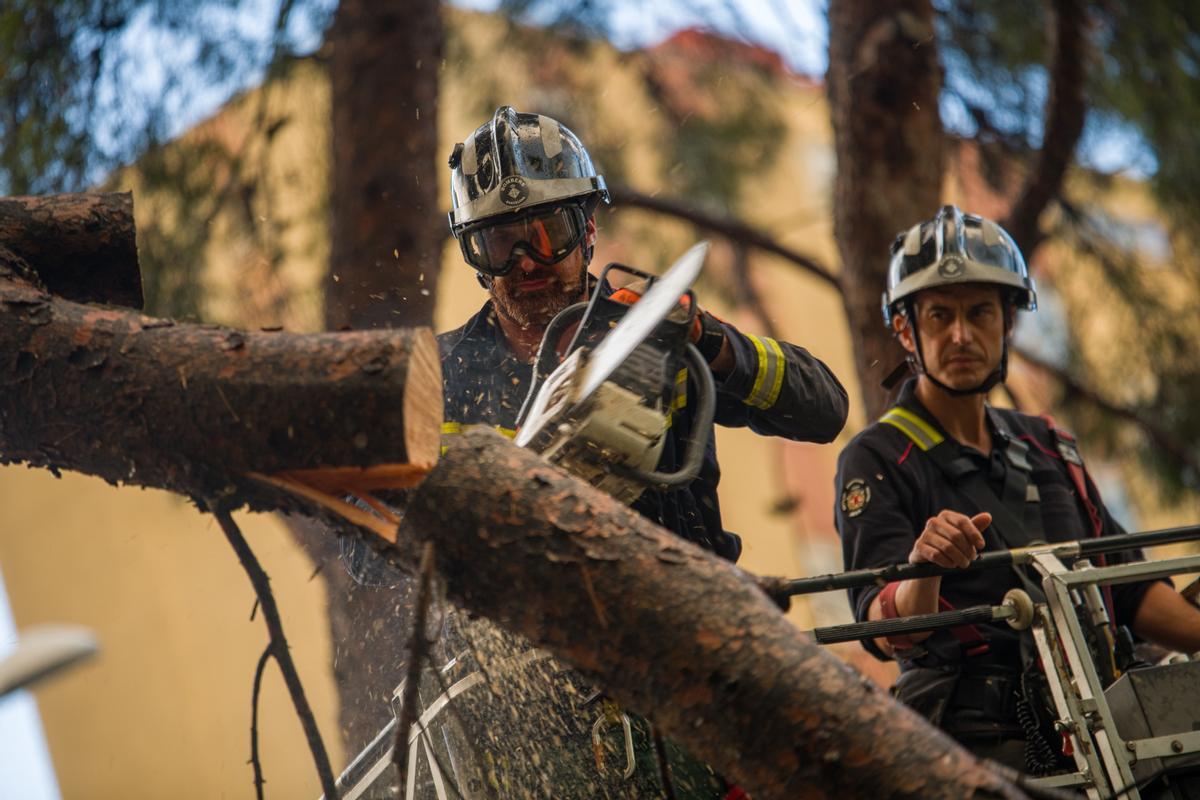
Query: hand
x=632, y=292
x=950, y=539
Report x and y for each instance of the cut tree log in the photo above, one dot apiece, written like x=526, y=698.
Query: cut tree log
x=82, y=246
x=672, y=632
x=195, y=408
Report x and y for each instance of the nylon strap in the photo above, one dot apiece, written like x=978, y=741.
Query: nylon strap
x=1069, y=452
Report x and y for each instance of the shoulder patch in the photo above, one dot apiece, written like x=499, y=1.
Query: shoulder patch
x=855, y=496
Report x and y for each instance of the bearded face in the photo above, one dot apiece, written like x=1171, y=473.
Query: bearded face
x=532, y=294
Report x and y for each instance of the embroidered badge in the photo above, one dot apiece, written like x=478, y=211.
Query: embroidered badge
x=855, y=496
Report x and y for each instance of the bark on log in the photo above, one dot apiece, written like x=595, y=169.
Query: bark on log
x=193, y=408
x=82, y=246
x=673, y=632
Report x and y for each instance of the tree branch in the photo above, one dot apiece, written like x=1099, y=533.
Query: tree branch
x=730, y=228
x=1066, y=108
x=417, y=651
x=279, y=646
x=258, y=677
x=1160, y=436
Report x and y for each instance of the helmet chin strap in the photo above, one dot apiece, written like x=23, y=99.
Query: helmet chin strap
x=994, y=378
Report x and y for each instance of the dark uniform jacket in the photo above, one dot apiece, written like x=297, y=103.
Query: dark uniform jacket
x=889, y=488
x=533, y=730
x=775, y=388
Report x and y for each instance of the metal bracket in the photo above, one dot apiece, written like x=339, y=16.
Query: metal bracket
x=1172, y=744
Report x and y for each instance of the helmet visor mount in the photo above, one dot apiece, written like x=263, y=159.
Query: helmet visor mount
x=546, y=236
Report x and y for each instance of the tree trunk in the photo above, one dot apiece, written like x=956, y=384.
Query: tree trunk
x=387, y=228
x=81, y=246
x=884, y=80
x=194, y=408
x=672, y=632
x=387, y=237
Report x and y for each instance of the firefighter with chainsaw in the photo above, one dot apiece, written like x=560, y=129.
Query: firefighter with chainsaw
x=524, y=192
x=943, y=476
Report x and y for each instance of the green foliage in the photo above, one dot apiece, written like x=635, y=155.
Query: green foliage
x=88, y=85
x=1149, y=77
x=75, y=104
x=994, y=52
x=1151, y=369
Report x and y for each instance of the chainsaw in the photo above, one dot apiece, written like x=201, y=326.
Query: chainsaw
x=602, y=409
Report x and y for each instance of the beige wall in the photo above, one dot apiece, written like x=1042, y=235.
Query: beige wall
x=164, y=711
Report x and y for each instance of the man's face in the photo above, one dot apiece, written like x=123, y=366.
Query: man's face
x=962, y=332
x=532, y=294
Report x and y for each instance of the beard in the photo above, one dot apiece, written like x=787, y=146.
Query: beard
x=535, y=308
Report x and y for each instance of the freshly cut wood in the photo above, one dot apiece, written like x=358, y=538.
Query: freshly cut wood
x=82, y=246
x=195, y=408
x=672, y=632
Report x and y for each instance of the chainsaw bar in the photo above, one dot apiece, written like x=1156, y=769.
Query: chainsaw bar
x=641, y=319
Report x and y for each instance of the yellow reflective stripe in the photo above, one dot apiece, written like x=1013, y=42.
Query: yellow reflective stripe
x=902, y=426
x=762, y=370
x=455, y=428
x=921, y=425
x=769, y=379
x=912, y=426
x=780, y=369
x=680, y=400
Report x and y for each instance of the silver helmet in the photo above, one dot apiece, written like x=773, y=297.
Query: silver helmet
x=515, y=162
x=954, y=248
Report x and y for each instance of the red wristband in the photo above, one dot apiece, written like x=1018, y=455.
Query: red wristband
x=887, y=605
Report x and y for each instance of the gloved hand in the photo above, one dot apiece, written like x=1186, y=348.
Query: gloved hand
x=706, y=332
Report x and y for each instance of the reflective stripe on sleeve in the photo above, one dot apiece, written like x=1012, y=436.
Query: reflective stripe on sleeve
x=768, y=381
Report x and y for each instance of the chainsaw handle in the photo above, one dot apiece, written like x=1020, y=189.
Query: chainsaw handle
x=693, y=455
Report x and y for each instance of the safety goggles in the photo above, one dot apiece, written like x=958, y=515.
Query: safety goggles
x=547, y=237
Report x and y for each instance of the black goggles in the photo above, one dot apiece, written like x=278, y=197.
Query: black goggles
x=546, y=236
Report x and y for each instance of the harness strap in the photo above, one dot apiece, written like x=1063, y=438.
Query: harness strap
x=1069, y=452
x=1020, y=494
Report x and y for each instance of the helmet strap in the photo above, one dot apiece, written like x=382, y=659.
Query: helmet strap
x=917, y=360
